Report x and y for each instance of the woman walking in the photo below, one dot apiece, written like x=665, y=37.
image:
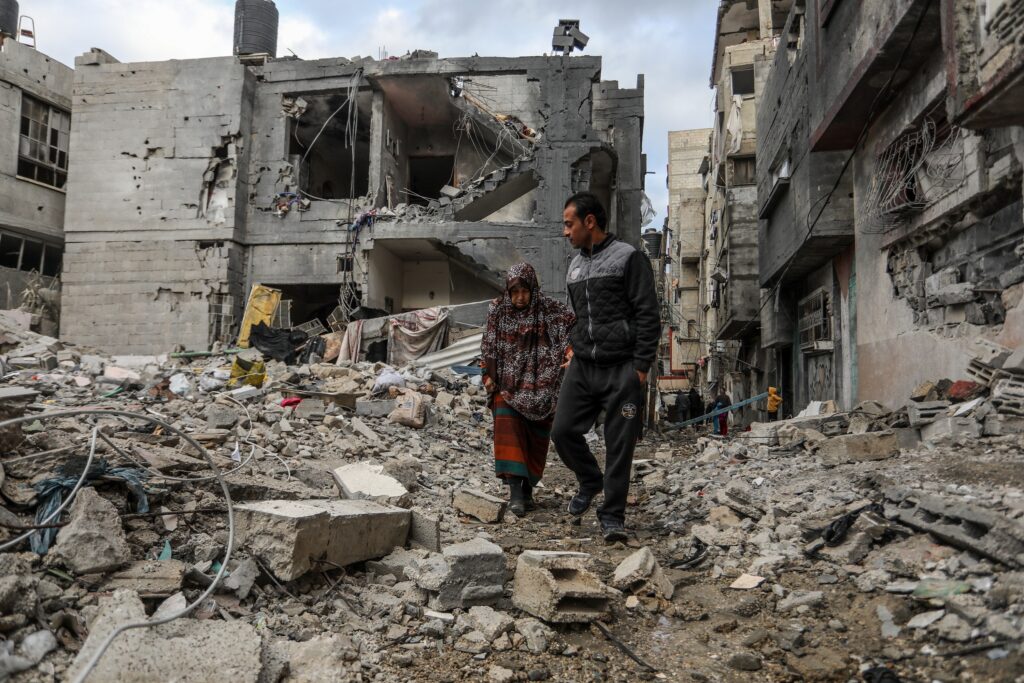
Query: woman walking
x=524, y=350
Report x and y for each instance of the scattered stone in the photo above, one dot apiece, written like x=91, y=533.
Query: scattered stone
x=744, y=661
x=462, y=575
x=93, y=542
x=366, y=481
x=640, y=572
x=747, y=582
x=489, y=622
x=925, y=619
x=801, y=598
x=482, y=506
x=538, y=637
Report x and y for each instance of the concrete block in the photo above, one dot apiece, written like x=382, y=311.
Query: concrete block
x=858, y=448
x=289, y=535
x=1001, y=425
x=908, y=438
x=923, y=412
x=480, y=505
x=284, y=534
x=368, y=408
x=184, y=650
x=425, y=530
x=557, y=587
x=640, y=572
x=463, y=575
x=950, y=426
x=367, y=481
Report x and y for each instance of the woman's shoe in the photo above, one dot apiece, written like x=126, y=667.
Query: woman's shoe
x=528, y=495
x=516, y=496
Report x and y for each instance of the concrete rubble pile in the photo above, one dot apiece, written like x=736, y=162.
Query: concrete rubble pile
x=365, y=549
x=328, y=491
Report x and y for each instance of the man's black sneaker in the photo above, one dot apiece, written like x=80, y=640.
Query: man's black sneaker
x=580, y=503
x=613, y=532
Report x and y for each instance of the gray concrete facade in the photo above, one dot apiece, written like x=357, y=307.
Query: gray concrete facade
x=31, y=209
x=196, y=179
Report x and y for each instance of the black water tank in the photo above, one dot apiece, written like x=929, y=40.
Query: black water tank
x=255, y=27
x=9, y=17
x=652, y=238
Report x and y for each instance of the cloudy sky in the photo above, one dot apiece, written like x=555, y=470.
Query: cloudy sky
x=669, y=41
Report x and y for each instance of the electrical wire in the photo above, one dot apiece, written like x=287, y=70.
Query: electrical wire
x=90, y=665
x=67, y=501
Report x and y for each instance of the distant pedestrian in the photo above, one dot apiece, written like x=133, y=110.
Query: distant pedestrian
x=696, y=404
x=523, y=350
x=774, y=402
x=615, y=341
x=723, y=401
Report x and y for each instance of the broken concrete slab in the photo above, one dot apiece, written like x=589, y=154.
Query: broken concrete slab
x=149, y=578
x=463, y=575
x=367, y=481
x=184, y=650
x=858, y=448
x=93, y=541
x=559, y=588
x=375, y=408
x=289, y=535
x=640, y=572
x=949, y=427
x=425, y=530
x=482, y=506
x=360, y=427
x=489, y=622
x=959, y=524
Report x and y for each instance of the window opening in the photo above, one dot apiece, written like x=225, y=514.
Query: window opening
x=743, y=80
x=43, y=143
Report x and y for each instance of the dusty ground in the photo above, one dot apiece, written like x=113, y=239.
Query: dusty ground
x=693, y=637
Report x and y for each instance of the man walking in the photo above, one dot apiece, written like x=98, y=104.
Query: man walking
x=614, y=342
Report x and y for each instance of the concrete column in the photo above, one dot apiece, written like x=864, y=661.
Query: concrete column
x=376, y=143
x=764, y=11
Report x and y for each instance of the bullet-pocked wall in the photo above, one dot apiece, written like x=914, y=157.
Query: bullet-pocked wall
x=204, y=177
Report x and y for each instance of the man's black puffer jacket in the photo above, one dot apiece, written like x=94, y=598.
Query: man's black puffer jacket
x=611, y=290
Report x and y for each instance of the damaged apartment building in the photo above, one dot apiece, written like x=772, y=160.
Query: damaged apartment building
x=723, y=244
x=35, y=108
x=355, y=187
x=864, y=230
x=888, y=273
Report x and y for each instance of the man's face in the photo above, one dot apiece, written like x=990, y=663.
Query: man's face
x=579, y=233
x=520, y=296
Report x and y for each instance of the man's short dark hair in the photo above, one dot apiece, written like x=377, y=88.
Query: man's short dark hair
x=587, y=204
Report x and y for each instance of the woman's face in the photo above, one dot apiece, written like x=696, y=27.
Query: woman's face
x=520, y=296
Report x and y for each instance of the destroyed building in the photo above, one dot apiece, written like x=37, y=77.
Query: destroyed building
x=915, y=106
x=35, y=106
x=391, y=185
x=684, y=231
x=729, y=326
x=877, y=233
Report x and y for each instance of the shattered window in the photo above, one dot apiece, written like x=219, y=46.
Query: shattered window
x=43, y=143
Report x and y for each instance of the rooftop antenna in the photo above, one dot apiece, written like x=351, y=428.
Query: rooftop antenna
x=568, y=37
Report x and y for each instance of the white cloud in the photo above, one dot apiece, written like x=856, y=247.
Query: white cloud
x=667, y=40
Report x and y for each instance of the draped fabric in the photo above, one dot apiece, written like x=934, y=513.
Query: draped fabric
x=523, y=350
